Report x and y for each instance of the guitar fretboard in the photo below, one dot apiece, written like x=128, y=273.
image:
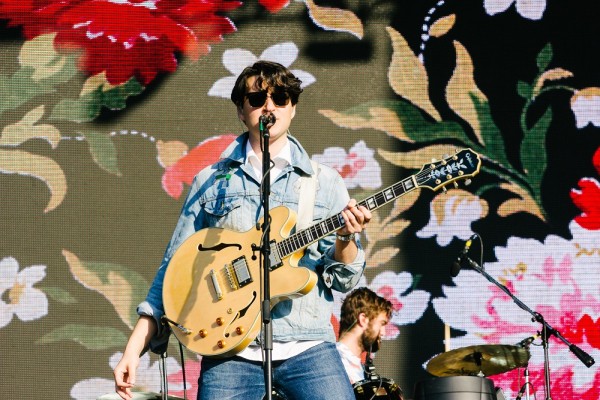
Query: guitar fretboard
x=306, y=237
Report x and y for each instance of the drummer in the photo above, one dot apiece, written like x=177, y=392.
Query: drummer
x=363, y=318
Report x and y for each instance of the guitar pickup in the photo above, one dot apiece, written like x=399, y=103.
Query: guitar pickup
x=239, y=274
x=274, y=257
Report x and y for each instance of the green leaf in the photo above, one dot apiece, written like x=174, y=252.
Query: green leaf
x=494, y=144
x=533, y=154
x=90, y=337
x=85, y=109
x=68, y=71
x=60, y=295
x=524, y=90
x=19, y=89
x=115, y=98
x=103, y=151
x=544, y=57
x=415, y=125
x=88, y=107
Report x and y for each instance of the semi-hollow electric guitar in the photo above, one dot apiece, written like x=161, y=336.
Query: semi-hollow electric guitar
x=212, y=285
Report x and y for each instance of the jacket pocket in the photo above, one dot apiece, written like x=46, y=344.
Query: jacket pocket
x=221, y=211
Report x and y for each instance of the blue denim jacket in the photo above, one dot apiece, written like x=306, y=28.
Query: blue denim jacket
x=227, y=195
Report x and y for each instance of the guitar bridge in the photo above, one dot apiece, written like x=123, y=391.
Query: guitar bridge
x=238, y=273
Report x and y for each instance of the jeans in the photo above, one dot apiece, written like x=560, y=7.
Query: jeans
x=316, y=374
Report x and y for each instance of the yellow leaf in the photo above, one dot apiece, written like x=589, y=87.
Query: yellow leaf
x=418, y=158
x=43, y=168
x=94, y=82
x=39, y=53
x=551, y=75
x=116, y=289
x=391, y=230
x=524, y=203
x=381, y=257
x=170, y=152
x=20, y=132
x=460, y=89
x=335, y=19
x=441, y=26
x=404, y=203
x=382, y=119
x=438, y=204
x=407, y=75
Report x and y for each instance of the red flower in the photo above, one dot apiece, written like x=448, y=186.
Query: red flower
x=587, y=199
x=133, y=38
x=274, y=5
x=184, y=170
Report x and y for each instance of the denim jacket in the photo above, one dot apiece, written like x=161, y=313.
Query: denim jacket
x=227, y=195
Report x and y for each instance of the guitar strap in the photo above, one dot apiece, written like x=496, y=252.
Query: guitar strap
x=306, y=202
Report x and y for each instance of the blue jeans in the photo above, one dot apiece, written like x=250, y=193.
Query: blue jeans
x=316, y=374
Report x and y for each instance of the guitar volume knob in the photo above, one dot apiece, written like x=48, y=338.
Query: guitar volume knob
x=219, y=321
x=240, y=330
x=203, y=333
x=221, y=344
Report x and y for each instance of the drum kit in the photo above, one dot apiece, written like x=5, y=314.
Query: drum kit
x=461, y=374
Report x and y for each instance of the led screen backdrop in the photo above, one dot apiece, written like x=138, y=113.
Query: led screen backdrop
x=109, y=108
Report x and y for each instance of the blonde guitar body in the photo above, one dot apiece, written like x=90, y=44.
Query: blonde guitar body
x=210, y=295
x=211, y=289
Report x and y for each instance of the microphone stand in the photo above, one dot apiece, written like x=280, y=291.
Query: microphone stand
x=547, y=330
x=266, y=259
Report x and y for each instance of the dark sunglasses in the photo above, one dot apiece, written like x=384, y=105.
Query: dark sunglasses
x=258, y=99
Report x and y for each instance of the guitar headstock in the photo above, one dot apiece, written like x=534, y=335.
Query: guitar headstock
x=437, y=174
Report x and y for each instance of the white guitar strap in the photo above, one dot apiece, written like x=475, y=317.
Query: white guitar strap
x=306, y=202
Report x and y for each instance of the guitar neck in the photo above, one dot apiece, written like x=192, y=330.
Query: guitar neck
x=306, y=237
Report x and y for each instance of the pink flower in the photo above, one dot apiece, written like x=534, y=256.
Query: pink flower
x=358, y=167
x=192, y=372
x=142, y=47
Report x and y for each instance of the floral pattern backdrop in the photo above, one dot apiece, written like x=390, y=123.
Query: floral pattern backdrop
x=109, y=108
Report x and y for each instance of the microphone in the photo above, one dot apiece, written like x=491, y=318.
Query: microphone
x=267, y=119
x=457, y=264
x=526, y=342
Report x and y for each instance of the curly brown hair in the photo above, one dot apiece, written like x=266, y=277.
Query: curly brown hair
x=268, y=74
x=362, y=300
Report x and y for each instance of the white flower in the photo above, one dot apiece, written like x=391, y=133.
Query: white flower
x=585, y=104
x=452, y=215
x=148, y=379
x=408, y=305
x=358, y=167
x=235, y=60
x=531, y=9
x=17, y=294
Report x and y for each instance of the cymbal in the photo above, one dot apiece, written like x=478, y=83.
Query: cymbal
x=486, y=360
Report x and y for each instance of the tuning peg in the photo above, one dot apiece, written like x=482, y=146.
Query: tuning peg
x=444, y=189
x=468, y=182
x=455, y=185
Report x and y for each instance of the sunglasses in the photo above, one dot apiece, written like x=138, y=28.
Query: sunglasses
x=258, y=99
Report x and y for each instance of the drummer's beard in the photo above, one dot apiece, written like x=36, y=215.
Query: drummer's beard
x=370, y=340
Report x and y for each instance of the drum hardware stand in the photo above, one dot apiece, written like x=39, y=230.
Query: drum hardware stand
x=164, y=385
x=525, y=387
x=265, y=250
x=547, y=330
